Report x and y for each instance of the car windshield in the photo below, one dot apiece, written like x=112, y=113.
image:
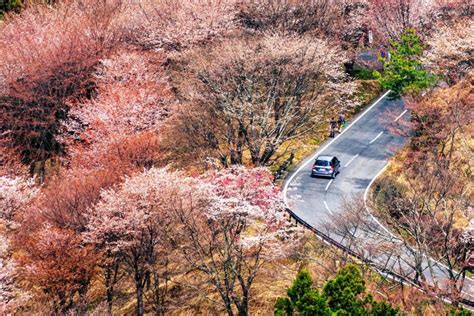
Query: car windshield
x=322, y=163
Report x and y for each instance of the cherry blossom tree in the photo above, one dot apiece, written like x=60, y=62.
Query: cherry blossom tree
x=391, y=17
x=450, y=49
x=15, y=193
x=133, y=98
x=57, y=267
x=343, y=22
x=133, y=223
x=254, y=94
x=244, y=227
x=288, y=16
x=225, y=225
x=428, y=202
x=8, y=289
x=48, y=57
x=177, y=25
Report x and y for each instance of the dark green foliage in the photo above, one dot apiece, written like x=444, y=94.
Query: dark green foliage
x=342, y=295
x=9, y=5
x=302, y=298
x=364, y=74
x=404, y=72
x=375, y=308
x=459, y=312
x=342, y=291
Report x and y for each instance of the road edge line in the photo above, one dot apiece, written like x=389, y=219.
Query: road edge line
x=383, y=226
x=304, y=164
x=366, y=192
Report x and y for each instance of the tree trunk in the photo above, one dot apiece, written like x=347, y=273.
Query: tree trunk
x=110, y=290
x=139, y=299
x=159, y=294
x=244, y=306
x=111, y=275
x=227, y=301
x=235, y=157
x=228, y=309
x=267, y=154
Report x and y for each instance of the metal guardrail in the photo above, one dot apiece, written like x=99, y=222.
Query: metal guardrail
x=366, y=261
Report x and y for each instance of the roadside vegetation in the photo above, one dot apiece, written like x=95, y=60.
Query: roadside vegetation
x=425, y=197
x=140, y=142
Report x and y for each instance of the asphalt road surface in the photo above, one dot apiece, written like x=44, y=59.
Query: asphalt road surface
x=336, y=207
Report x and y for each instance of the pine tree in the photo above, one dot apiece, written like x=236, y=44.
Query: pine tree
x=342, y=295
x=342, y=291
x=302, y=298
x=403, y=71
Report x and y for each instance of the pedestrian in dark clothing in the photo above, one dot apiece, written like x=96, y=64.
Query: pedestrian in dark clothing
x=383, y=52
x=341, y=121
x=332, y=127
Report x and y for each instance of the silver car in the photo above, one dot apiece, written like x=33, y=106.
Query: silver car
x=326, y=166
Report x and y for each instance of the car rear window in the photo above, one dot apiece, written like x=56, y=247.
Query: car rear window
x=322, y=163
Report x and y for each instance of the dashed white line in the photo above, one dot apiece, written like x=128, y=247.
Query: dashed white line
x=329, y=183
x=352, y=159
x=303, y=165
x=398, y=117
x=327, y=207
x=373, y=140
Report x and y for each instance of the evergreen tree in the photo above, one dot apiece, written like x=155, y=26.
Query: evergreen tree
x=342, y=291
x=403, y=71
x=342, y=295
x=302, y=298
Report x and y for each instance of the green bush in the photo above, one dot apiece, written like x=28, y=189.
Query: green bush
x=341, y=296
x=404, y=72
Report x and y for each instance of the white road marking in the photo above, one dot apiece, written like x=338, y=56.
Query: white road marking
x=327, y=207
x=398, y=117
x=329, y=183
x=352, y=159
x=395, y=238
x=285, y=188
x=367, y=208
x=373, y=140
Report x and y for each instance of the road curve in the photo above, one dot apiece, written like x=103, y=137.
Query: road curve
x=364, y=148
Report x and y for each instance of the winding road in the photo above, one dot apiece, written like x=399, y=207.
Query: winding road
x=337, y=208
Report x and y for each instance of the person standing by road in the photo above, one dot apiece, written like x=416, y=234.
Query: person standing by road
x=341, y=122
x=332, y=127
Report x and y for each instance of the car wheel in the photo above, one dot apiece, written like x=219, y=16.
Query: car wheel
x=333, y=175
